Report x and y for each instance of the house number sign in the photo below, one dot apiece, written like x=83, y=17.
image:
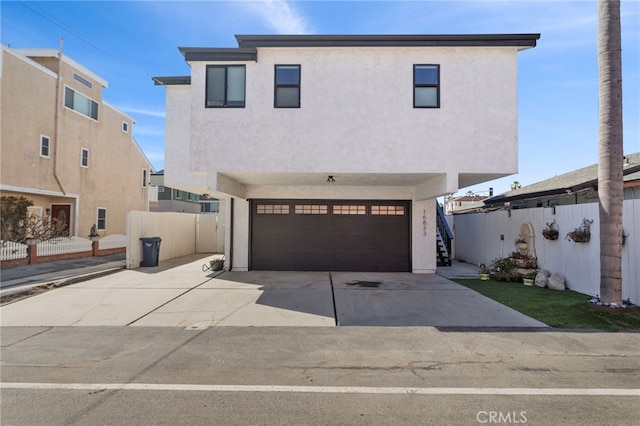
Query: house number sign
x=424, y=222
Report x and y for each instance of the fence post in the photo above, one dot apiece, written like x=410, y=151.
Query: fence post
x=94, y=247
x=32, y=253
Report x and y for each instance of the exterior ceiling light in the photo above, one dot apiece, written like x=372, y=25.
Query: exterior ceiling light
x=330, y=179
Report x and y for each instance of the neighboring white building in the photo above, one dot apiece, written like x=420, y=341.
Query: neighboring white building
x=327, y=152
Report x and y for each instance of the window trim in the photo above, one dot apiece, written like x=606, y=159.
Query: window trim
x=82, y=157
x=276, y=85
x=72, y=108
x=104, y=227
x=178, y=194
x=42, y=138
x=125, y=126
x=436, y=85
x=144, y=178
x=226, y=86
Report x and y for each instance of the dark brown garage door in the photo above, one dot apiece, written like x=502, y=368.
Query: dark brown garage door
x=318, y=235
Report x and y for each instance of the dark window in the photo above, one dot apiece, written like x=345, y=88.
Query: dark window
x=287, y=86
x=84, y=157
x=102, y=219
x=225, y=86
x=426, y=86
x=80, y=103
x=178, y=194
x=125, y=127
x=144, y=178
x=44, y=146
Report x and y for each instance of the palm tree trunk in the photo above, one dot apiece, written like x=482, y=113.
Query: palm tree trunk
x=610, y=156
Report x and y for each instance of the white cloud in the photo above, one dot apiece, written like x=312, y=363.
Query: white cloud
x=281, y=16
x=140, y=111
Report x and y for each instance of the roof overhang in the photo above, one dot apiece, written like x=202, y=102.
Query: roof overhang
x=218, y=54
x=172, y=81
x=523, y=41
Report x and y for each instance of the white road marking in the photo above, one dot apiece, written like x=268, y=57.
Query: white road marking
x=324, y=389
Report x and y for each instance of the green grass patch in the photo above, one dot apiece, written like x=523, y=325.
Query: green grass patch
x=561, y=309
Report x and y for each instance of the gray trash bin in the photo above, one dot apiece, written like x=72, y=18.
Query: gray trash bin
x=150, y=251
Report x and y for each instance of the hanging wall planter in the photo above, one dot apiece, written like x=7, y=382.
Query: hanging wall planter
x=551, y=232
x=581, y=234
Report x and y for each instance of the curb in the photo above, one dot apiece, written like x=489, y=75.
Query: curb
x=13, y=295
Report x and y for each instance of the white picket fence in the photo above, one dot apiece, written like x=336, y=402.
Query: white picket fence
x=11, y=251
x=63, y=246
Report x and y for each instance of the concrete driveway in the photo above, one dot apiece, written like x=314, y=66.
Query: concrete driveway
x=179, y=294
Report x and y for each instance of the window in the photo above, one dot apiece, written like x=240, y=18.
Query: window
x=84, y=157
x=82, y=80
x=225, y=86
x=161, y=189
x=340, y=209
x=426, y=86
x=287, y=86
x=311, y=209
x=178, y=194
x=80, y=103
x=144, y=178
x=272, y=209
x=101, y=223
x=125, y=127
x=45, y=144
x=387, y=210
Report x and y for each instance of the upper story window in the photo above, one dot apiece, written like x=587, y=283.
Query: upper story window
x=144, y=178
x=80, y=103
x=225, y=86
x=45, y=146
x=287, y=86
x=125, y=127
x=426, y=86
x=84, y=157
x=178, y=194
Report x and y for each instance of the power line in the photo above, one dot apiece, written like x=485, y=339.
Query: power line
x=51, y=18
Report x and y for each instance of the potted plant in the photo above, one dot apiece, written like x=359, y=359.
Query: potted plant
x=485, y=274
x=551, y=231
x=581, y=234
x=529, y=278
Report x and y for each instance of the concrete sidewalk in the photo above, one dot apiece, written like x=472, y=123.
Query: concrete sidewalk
x=179, y=293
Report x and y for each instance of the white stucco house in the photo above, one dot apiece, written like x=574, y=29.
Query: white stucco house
x=328, y=151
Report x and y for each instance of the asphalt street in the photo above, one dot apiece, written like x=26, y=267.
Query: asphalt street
x=317, y=375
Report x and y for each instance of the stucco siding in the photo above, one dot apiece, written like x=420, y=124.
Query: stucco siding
x=357, y=114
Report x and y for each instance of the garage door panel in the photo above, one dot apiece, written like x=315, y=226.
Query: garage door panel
x=330, y=242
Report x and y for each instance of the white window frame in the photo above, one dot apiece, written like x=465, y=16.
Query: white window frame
x=103, y=228
x=42, y=137
x=178, y=194
x=125, y=127
x=82, y=151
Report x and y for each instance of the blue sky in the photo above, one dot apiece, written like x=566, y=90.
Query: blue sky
x=128, y=42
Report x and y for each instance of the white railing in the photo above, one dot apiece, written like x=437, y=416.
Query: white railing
x=11, y=250
x=64, y=245
x=112, y=241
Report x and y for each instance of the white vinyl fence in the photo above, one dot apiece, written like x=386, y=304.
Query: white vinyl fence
x=483, y=237
x=181, y=234
x=112, y=242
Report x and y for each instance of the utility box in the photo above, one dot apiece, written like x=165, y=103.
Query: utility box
x=150, y=251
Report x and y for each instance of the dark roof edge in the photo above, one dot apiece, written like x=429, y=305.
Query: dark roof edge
x=172, y=81
x=592, y=183
x=219, y=54
x=381, y=40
